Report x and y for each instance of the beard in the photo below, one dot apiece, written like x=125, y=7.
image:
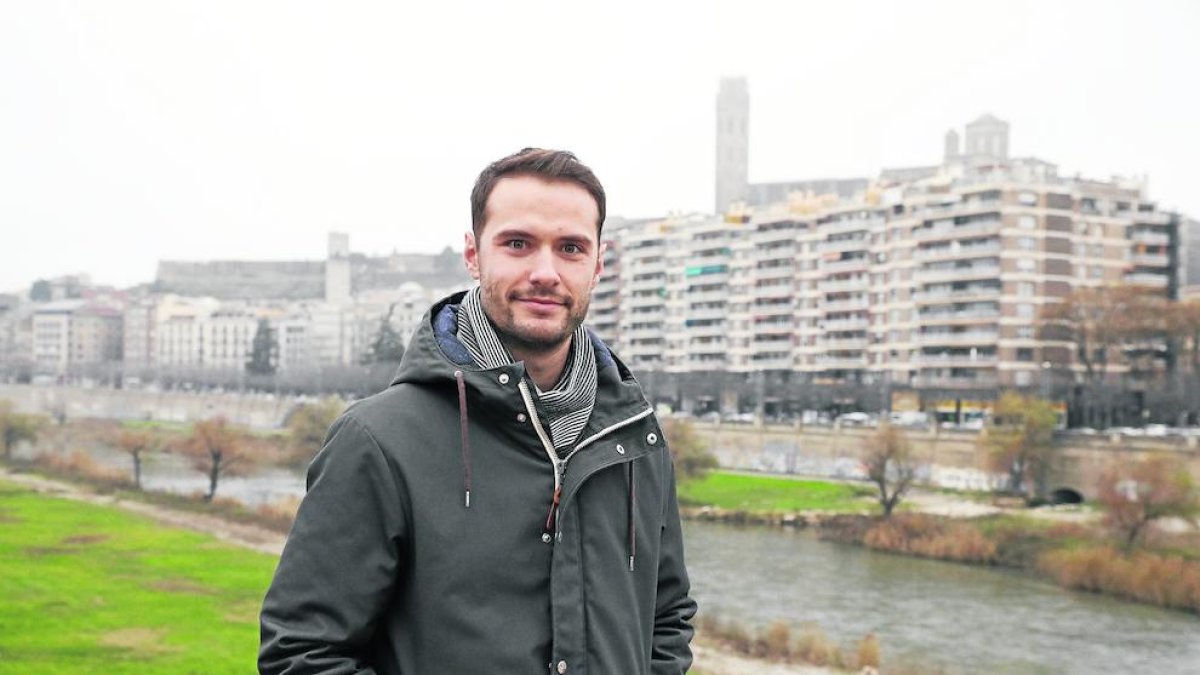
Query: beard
x=532, y=334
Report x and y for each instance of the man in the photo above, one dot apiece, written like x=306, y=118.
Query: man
x=508, y=504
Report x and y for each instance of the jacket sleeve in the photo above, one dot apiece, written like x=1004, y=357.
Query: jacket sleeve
x=671, y=652
x=340, y=562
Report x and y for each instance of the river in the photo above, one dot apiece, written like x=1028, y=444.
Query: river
x=960, y=618
x=963, y=619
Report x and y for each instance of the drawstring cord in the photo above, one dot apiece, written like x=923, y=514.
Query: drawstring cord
x=632, y=526
x=466, y=446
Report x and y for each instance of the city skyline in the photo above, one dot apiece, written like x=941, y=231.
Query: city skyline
x=135, y=135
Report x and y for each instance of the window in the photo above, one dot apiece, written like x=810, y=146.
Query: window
x=1025, y=332
x=1027, y=222
x=1024, y=353
x=1025, y=310
x=1026, y=289
x=1027, y=243
x=1023, y=378
x=1026, y=264
x=1028, y=198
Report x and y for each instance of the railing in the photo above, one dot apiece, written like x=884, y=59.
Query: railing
x=969, y=272
x=955, y=252
x=952, y=317
x=981, y=227
x=953, y=382
x=1156, y=280
x=966, y=337
x=845, y=265
x=1149, y=238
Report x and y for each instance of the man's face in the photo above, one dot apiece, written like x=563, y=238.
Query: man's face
x=537, y=259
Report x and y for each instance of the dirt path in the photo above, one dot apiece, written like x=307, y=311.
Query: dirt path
x=712, y=661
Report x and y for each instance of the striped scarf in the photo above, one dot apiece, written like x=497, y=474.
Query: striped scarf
x=569, y=404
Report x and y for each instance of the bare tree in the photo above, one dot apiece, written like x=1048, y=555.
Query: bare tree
x=1020, y=441
x=889, y=464
x=16, y=427
x=1137, y=494
x=218, y=450
x=136, y=444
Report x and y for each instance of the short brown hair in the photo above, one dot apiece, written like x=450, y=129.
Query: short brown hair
x=547, y=164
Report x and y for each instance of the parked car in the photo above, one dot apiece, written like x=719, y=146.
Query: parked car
x=854, y=419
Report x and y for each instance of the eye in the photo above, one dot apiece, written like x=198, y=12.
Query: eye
x=516, y=244
x=572, y=249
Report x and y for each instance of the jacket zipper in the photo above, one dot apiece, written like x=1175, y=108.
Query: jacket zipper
x=551, y=528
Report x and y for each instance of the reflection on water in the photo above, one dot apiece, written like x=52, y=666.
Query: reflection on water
x=966, y=619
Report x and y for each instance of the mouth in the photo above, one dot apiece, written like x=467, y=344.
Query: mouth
x=541, y=302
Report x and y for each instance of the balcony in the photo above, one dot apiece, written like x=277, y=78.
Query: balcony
x=1152, y=218
x=931, y=382
x=1149, y=238
x=956, y=273
x=841, y=362
x=972, y=230
x=1151, y=259
x=843, y=245
x=851, y=225
x=846, y=343
x=707, y=296
x=851, y=265
x=710, y=313
x=954, y=361
x=932, y=297
x=646, y=301
x=970, y=337
x=647, y=284
x=957, y=317
x=1146, y=279
x=854, y=305
x=953, y=252
x=861, y=323
x=854, y=284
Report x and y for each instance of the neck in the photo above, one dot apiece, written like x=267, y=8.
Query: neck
x=544, y=367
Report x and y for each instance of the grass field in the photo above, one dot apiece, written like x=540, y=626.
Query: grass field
x=740, y=492
x=92, y=589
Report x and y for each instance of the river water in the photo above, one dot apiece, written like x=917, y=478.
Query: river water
x=960, y=618
x=963, y=619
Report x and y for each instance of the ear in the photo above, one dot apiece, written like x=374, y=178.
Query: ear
x=471, y=255
x=599, y=264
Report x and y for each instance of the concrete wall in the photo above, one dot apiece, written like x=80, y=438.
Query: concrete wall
x=956, y=459
x=262, y=411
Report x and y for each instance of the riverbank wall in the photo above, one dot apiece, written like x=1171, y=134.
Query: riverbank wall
x=954, y=459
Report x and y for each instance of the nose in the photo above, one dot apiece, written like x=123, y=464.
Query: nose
x=544, y=271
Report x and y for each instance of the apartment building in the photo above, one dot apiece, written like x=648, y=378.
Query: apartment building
x=68, y=334
x=935, y=284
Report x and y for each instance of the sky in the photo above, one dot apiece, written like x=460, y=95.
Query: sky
x=133, y=132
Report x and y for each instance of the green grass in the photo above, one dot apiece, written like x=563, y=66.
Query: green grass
x=739, y=492
x=92, y=589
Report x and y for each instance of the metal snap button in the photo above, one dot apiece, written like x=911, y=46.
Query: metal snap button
x=520, y=417
x=561, y=667
x=651, y=438
x=545, y=537
x=503, y=378
x=620, y=449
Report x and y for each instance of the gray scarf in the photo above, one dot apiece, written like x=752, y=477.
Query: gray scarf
x=569, y=404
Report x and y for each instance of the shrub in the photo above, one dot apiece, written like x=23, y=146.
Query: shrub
x=868, y=652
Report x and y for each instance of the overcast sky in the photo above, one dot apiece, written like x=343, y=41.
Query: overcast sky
x=134, y=132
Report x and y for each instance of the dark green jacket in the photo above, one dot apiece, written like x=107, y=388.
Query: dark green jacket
x=420, y=549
